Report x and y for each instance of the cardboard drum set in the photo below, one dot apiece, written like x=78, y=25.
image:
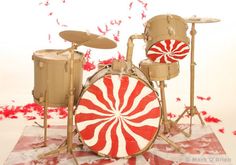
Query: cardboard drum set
x=117, y=112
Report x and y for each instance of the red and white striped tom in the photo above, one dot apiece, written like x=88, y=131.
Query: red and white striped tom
x=166, y=38
x=118, y=115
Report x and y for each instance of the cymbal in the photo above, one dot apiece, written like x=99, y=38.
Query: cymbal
x=87, y=39
x=201, y=20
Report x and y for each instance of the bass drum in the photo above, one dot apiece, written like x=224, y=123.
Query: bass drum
x=118, y=115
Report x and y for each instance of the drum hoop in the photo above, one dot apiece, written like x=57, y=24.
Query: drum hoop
x=149, y=145
x=37, y=56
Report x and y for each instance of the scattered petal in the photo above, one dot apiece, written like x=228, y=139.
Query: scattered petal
x=178, y=99
x=210, y=119
x=203, y=98
x=50, y=14
x=130, y=5
x=234, y=132
x=116, y=36
x=222, y=130
x=143, y=15
x=203, y=113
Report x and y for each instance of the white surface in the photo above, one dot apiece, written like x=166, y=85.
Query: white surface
x=25, y=26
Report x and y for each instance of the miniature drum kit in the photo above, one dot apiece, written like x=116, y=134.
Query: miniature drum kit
x=117, y=112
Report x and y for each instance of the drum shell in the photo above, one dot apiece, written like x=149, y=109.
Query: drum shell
x=163, y=27
x=159, y=71
x=51, y=76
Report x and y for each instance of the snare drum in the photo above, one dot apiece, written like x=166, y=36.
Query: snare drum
x=51, y=76
x=157, y=71
x=166, y=38
x=118, y=114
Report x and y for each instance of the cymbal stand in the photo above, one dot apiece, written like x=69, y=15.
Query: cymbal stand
x=192, y=109
x=129, y=54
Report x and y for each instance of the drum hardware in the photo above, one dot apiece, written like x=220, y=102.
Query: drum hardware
x=50, y=85
x=77, y=39
x=162, y=104
x=192, y=109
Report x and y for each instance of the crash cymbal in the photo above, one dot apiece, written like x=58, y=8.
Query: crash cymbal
x=87, y=39
x=201, y=20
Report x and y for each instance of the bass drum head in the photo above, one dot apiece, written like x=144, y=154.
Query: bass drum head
x=118, y=116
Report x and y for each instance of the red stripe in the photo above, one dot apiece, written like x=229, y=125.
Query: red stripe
x=182, y=52
x=109, y=85
x=102, y=137
x=147, y=132
x=155, y=50
x=178, y=57
x=171, y=59
x=180, y=48
x=137, y=90
x=87, y=116
x=152, y=114
x=162, y=59
x=176, y=43
x=167, y=42
x=161, y=46
x=142, y=104
x=90, y=105
x=88, y=132
x=131, y=143
x=153, y=57
x=114, y=140
x=99, y=95
x=123, y=87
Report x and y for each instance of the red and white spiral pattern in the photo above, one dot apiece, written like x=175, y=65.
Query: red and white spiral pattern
x=118, y=116
x=168, y=51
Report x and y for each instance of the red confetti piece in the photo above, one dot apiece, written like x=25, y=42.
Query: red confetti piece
x=203, y=98
x=88, y=66
x=222, y=130
x=50, y=14
x=115, y=22
x=234, y=132
x=116, y=36
x=203, y=113
x=101, y=31
x=143, y=15
x=130, y=5
x=178, y=99
x=13, y=117
x=120, y=57
x=87, y=54
x=210, y=119
x=171, y=115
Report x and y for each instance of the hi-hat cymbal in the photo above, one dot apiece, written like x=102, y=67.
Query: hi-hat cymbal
x=201, y=20
x=87, y=39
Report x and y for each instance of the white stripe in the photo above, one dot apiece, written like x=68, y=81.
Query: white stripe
x=83, y=109
x=145, y=91
x=121, y=142
x=139, y=139
x=107, y=147
x=177, y=47
x=90, y=96
x=152, y=104
x=103, y=88
x=130, y=89
x=94, y=139
x=116, y=81
x=82, y=125
x=171, y=44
